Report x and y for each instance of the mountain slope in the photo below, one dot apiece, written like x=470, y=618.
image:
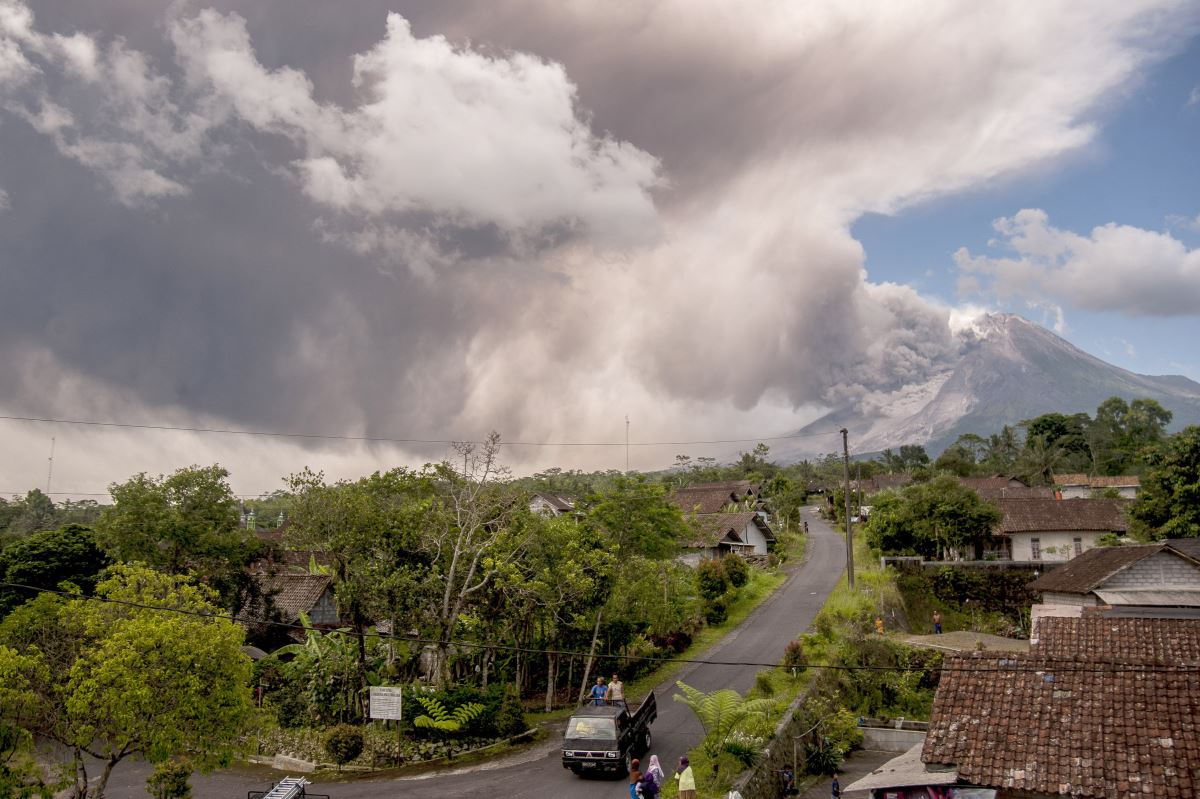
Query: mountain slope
x=1010, y=370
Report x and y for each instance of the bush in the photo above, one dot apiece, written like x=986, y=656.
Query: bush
x=711, y=579
x=794, y=657
x=763, y=684
x=169, y=780
x=736, y=569
x=716, y=611
x=344, y=743
x=509, y=720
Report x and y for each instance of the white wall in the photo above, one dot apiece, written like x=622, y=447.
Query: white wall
x=752, y=535
x=1022, y=549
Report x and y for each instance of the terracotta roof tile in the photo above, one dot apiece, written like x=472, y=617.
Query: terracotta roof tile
x=702, y=499
x=709, y=529
x=1173, y=641
x=1077, y=727
x=1076, y=515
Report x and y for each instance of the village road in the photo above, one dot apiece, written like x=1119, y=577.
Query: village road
x=760, y=639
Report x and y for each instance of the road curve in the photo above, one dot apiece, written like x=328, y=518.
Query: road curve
x=761, y=638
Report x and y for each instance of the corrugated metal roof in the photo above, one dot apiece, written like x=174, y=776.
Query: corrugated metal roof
x=904, y=771
x=1178, y=597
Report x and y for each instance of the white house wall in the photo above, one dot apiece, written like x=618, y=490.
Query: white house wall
x=1160, y=570
x=752, y=535
x=1022, y=544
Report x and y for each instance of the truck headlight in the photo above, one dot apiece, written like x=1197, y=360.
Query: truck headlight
x=568, y=753
x=613, y=755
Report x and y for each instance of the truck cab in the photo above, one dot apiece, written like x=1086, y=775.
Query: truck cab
x=606, y=737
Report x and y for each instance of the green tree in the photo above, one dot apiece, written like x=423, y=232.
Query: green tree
x=1002, y=451
x=1169, y=503
x=957, y=460
x=187, y=522
x=160, y=674
x=48, y=559
x=929, y=518
x=1040, y=460
x=34, y=512
x=637, y=518
x=169, y=780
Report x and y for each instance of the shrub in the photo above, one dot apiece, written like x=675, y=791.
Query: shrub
x=716, y=611
x=510, y=718
x=169, y=780
x=711, y=579
x=763, y=684
x=344, y=743
x=736, y=569
x=794, y=657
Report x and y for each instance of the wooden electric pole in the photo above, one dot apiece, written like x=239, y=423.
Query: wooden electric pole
x=849, y=526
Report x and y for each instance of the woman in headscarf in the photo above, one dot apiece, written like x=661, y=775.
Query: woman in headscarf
x=655, y=768
x=687, y=780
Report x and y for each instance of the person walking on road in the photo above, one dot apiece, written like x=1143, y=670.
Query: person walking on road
x=655, y=769
x=937, y=623
x=687, y=780
x=835, y=788
x=635, y=776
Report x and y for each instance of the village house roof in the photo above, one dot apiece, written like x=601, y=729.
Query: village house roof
x=711, y=497
x=993, y=483
x=710, y=529
x=1091, y=569
x=556, y=501
x=1099, y=481
x=293, y=594
x=1171, y=641
x=1093, y=714
x=1065, y=515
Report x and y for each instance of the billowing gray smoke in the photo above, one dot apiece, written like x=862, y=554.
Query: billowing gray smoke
x=297, y=215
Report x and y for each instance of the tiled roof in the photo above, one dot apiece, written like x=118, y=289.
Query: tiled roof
x=1016, y=492
x=702, y=499
x=293, y=594
x=1085, y=571
x=559, y=503
x=1068, y=727
x=1187, y=546
x=991, y=483
x=1172, y=641
x=709, y=529
x=1067, y=515
x=1099, y=481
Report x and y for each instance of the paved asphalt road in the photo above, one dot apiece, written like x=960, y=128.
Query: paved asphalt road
x=539, y=772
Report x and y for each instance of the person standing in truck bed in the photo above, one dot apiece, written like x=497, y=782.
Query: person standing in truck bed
x=616, y=690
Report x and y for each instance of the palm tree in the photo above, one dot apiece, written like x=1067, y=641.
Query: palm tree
x=1039, y=460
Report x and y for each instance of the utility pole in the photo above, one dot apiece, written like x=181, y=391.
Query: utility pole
x=849, y=526
x=627, y=443
x=50, y=466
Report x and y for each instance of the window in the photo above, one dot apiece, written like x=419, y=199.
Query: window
x=592, y=728
x=1078, y=546
x=1035, y=548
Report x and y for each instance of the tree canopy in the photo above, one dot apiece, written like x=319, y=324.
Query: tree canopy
x=1169, y=503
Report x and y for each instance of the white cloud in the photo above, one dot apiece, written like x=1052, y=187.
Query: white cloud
x=1116, y=268
x=1194, y=97
x=5, y=202
x=471, y=138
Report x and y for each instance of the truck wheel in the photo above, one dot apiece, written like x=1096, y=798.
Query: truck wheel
x=628, y=761
x=645, y=742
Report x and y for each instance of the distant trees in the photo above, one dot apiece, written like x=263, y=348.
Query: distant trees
x=48, y=559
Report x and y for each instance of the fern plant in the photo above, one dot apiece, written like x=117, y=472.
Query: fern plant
x=437, y=717
x=721, y=714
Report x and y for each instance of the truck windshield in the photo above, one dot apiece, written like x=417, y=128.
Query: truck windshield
x=593, y=729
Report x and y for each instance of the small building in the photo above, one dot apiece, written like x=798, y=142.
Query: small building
x=1055, y=530
x=1148, y=580
x=545, y=504
x=1077, y=486
x=1001, y=487
x=1103, y=709
x=717, y=534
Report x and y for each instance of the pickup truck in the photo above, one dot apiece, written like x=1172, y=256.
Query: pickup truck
x=606, y=737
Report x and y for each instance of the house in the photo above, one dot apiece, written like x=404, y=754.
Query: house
x=1054, y=530
x=1160, y=579
x=288, y=595
x=1103, y=708
x=545, y=504
x=716, y=534
x=1075, y=486
x=1001, y=487
x=706, y=498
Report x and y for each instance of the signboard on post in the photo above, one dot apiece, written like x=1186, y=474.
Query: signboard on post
x=385, y=702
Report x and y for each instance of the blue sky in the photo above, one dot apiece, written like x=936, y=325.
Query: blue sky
x=1143, y=170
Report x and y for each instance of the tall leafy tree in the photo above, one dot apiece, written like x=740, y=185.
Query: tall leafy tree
x=1169, y=503
x=929, y=518
x=186, y=522
x=48, y=559
x=637, y=518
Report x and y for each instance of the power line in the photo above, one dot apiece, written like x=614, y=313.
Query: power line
x=1036, y=666
x=399, y=440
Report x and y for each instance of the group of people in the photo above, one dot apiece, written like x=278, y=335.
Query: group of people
x=647, y=784
x=608, y=694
